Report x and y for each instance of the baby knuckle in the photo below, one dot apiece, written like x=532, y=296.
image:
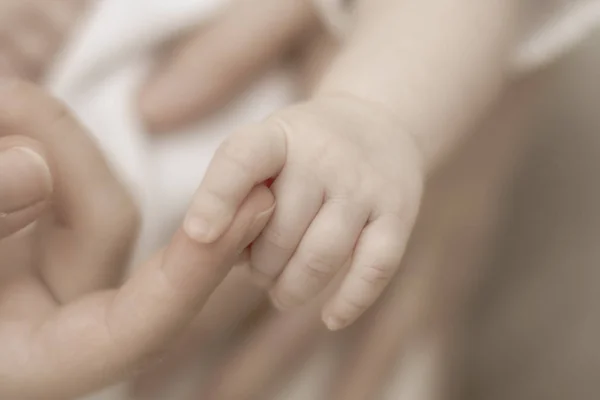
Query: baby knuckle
x=238, y=152
x=354, y=304
x=351, y=182
x=286, y=298
x=400, y=206
x=319, y=265
x=299, y=121
x=376, y=274
x=279, y=238
x=394, y=197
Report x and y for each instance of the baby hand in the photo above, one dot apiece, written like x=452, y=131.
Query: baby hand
x=348, y=183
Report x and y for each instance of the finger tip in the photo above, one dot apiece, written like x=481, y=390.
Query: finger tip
x=334, y=323
x=199, y=230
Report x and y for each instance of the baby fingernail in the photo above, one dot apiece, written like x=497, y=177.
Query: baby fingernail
x=25, y=179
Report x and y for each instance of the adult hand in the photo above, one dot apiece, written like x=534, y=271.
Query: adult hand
x=25, y=183
x=63, y=331
x=217, y=62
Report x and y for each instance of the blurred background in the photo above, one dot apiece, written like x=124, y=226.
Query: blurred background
x=533, y=325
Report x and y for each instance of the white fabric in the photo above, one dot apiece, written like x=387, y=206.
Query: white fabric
x=548, y=28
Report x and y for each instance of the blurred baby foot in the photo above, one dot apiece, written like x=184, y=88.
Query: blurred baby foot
x=32, y=33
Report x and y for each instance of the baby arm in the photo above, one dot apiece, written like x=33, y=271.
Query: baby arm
x=435, y=64
x=350, y=163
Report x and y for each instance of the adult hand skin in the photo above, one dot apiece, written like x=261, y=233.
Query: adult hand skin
x=63, y=331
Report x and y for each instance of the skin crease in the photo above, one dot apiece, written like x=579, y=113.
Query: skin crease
x=382, y=117
x=62, y=338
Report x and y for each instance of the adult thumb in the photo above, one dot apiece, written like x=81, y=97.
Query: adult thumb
x=25, y=184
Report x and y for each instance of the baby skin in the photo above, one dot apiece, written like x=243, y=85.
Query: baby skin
x=349, y=165
x=32, y=32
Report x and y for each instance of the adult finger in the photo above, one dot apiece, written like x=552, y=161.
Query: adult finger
x=25, y=183
x=228, y=307
x=218, y=61
x=273, y=349
x=94, y=220
x=105, y=336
